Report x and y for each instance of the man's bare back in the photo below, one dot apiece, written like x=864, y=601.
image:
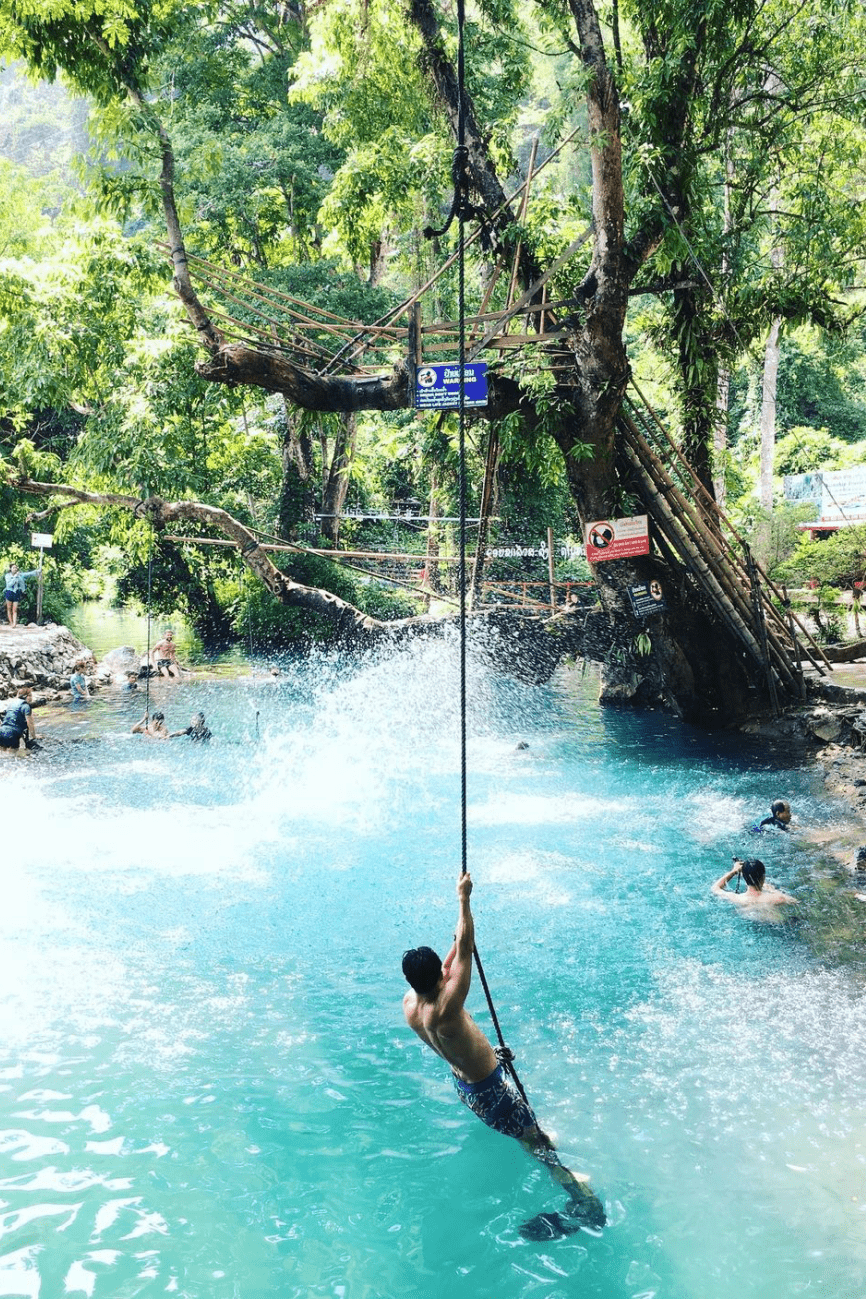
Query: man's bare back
x=434, y=1010
x=759, y=899
x=458, y=1039
x=439, y=1017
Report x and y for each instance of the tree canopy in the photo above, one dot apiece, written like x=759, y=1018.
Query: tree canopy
x=716, y=158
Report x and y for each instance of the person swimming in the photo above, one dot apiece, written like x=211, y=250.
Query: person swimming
x=153, y=727
x=759, y=895
x=197, y=730
x=779, y=818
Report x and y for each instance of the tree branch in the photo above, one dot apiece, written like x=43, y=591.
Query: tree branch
x=348, y=621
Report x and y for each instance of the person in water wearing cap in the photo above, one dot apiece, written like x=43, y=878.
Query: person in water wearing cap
x=779, y=818
x=435, y=1009
x=758, y=896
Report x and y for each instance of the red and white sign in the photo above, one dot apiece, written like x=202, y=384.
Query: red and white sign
x=617, y=538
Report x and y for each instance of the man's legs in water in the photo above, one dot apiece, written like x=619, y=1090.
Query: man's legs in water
x=538, y=1144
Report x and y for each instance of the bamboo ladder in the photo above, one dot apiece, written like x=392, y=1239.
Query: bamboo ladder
x=747, y=602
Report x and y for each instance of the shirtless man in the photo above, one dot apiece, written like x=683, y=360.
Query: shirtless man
x=759, y=896
x=153, y=727
x=435, y=1010
x=164, y=657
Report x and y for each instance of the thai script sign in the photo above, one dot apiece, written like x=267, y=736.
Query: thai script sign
x=565, y=550
x=647, y=598
x=437, y=387
x=41, y=540
x=617, y=538
x=839, y=496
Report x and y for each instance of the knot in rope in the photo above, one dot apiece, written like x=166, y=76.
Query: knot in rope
x=461, y=207
x=504, y=1054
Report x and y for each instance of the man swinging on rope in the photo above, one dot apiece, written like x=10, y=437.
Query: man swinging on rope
x=435, y=1010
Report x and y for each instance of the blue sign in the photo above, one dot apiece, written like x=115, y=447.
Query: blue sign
x=437, y=387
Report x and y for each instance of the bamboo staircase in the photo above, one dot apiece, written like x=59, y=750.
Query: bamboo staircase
x=693, y=532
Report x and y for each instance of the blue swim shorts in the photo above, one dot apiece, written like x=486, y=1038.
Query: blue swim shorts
x=497, y=1103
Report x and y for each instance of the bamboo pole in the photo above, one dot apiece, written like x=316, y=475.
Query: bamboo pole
x=762, y=628
x=275, y=342
x=725, y=610
x=723, y=560
x=471, y=239
x=490, y=463
x=718, y=560
x=224, y=272
x=521, y=218
x=723, y=545
x=534, y=288
x=716, y=508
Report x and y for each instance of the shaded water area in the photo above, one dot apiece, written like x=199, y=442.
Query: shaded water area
x=102, y=627
x=207, y=1089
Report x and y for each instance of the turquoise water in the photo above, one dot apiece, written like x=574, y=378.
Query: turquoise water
x=206, y=1087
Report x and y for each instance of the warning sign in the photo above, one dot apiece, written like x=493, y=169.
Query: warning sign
x=437, y=387
x=647, y=598
x=617, y=538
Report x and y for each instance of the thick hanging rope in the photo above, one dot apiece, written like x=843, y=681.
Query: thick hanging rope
x=462, y=208
x=147, y=665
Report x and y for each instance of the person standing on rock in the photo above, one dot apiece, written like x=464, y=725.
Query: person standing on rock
x=18, y=721
x=16, y=584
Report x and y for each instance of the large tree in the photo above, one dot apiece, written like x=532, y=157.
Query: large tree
x=697, y=76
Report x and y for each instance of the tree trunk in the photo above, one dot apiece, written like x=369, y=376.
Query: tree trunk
x=337, y=484
x=768, y=414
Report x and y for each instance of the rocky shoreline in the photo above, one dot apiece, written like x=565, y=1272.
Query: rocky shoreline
x=41, y=657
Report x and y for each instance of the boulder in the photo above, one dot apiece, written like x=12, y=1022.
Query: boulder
x=827, y=727
x=117, y=662
x=38, y=656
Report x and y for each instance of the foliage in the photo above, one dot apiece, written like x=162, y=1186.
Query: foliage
x=263, y=622
x=839, y=561
x=306, y=161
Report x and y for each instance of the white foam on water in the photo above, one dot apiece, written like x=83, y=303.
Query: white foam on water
x=544, y=809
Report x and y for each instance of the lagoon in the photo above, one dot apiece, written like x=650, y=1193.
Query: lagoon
x=207, y=1089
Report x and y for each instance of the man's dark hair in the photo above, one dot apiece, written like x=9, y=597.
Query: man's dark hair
x=753, y=872
x=422, y=968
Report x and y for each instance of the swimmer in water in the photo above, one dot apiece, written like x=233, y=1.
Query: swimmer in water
x=759, y=896
x=435, y=1010
x=197, y=729
x=154, y=729
x=779, y=818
